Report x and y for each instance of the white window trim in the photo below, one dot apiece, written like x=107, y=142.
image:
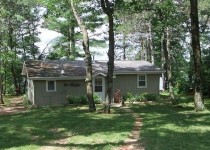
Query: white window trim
x=138, y=81
x=47, y=86
x=103, y=83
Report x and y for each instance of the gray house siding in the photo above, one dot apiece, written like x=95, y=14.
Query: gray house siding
x=128, y=83
x=58, y=97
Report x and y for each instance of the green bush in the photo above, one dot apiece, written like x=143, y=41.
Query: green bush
x=77, y=100
x=139, y=98
x=83, y=100
x=127, y=96
x=150, y=97
x=97, y=98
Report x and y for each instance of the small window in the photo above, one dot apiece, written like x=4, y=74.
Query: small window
x=141, y=81
x=98, y=85
x=51, y=86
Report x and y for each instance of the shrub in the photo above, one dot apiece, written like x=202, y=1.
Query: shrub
x=150, y=97
x=78, y=100
x=139, y=98
x=83, y=100
x=127, y=96
x=97, y=98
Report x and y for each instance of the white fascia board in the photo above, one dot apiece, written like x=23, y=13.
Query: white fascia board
x=140, y=72
x=57, y=78
x=102, y=74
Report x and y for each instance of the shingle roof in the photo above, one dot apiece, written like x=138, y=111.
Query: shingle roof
x=52, y=68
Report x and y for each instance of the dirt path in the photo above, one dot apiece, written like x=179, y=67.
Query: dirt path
x=15, y=106
x=132, y=142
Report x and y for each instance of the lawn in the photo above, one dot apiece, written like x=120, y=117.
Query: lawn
x=168, y=127
x=64, y=127
x=165, y=127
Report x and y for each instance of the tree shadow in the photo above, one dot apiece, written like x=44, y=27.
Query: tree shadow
x=174, y=127
x=43, y=126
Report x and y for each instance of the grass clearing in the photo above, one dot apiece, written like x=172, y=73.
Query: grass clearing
x=66, y=127
x=169, y=127
x=165, y=127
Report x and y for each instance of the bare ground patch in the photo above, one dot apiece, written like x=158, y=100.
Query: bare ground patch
x=15, y=106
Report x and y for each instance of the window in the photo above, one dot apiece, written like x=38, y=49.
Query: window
x=141, y=81
x=98, y=85
x=51, y=86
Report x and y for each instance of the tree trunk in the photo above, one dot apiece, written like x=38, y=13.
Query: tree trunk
x=198, y=96
x=109, y=10
x=1, y=90
x=71, y=44
x=110, y=62
x=167, y=55
x=124, y=46
x=1, y=82
x=15, y=80
x=151, y=51
x=88, y=59
x=73, y=49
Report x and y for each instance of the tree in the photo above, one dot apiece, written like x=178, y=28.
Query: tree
x=198, y=97
x=108, y=8
x=19, y=21
x=57, y=17
x=1, y=83
x=88, y=58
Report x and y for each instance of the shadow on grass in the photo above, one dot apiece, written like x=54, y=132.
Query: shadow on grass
x=168, y=127
x=44, y=126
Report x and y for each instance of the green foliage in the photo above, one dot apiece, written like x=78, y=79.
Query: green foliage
x=97, y=98
x=127, y=96
x=77, y=100
x=83, y=100
x=150, y=97
x=19, y=24
x=139, y=98
x=59, y=17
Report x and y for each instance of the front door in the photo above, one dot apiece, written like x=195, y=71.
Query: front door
x=99, y=87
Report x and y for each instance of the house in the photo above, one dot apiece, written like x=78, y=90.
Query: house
x=50, y=81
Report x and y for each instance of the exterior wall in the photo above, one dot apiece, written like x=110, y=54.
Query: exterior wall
x=58, y=97
x=128, y=83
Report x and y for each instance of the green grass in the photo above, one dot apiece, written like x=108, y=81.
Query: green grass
x=78, y=128
x=167, y=127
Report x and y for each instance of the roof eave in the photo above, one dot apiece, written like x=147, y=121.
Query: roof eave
x=140, y=72
x=57, y=78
